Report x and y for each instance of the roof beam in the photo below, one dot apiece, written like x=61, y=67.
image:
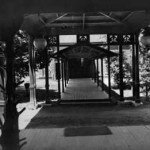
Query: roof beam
x=59, y=17
x=67, y=30
x=41, y=19
x=112, y=18
x=128, y=16
x=83, y=21
x=97, y=17
x=80, y=24
x=51, y=21
x=129, y=26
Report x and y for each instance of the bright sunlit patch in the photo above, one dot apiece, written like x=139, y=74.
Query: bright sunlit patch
x=68, y=38
x=100, y=38
x=54, y=100
x=25, y=118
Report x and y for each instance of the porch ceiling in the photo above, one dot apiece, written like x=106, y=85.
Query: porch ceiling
x=55, y=17
x=9, y=7
x=86, y=23
x=84, y=51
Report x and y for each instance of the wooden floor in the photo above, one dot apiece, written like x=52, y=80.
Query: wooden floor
x=135, y=137
x=122, y=138
x=49, y=137
x=83, y=89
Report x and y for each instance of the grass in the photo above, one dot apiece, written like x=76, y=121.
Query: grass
x=22, y=96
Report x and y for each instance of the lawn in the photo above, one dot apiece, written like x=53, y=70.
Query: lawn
x=23, y=96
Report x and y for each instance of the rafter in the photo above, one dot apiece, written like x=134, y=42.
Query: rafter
x=83, y=21
x=128, y=16
x=41, y=19
x=59, y=18
x=52, y=21
x=112, y=18
x=81, y=24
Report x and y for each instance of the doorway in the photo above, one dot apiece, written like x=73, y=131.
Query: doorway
x=80, y=68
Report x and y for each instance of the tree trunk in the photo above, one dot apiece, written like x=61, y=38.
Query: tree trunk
x=11, y=115
x=10, y=132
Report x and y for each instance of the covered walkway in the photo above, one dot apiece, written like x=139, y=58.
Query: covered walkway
x=83, y=89
x=84, y=127
x=121, y=23
x=81, y=61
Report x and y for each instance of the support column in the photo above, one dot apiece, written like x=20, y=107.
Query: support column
x=62, y=74
x=133, y=71
x=102, y=74
x=67, y=67
x=32, y=75
x=47, y=76
x=58, y=73
x=121, y=72
x=94, y=71
x=109, y=79
x=9, y=129
x=137, y=85
x=92, y=66
x=97, y=72
x=65, y=73
x=10, y=114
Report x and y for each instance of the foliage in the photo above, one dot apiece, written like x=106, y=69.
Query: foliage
x=41, y=57
x=144, y=69
x=2, y=65
x=21, y=43
x=115, y=72
x=21, y=48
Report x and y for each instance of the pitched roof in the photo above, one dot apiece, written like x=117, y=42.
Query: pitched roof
x=89, y=51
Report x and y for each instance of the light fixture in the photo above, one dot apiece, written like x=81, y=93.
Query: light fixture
x=40, y=43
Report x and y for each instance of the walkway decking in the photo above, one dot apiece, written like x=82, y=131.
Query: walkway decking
x=83, y=89
x=122, y=138
x=46, y=131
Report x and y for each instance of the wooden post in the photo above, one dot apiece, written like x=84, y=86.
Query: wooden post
x=65, y=72
x=58, y=72
x=137, y=85
x=109, y=79
x=102, y=74
x=94, y=71
x=67, y=67
x=121, y=72
x=92, y=67
x=9, y=138
x=62, y=74
x=47, y=76
x=32, y=75
x=97, y=72
x=133, y=71
x=11, y=117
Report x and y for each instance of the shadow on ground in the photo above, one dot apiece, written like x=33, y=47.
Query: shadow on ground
x=90, y=115
x=23, y=96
